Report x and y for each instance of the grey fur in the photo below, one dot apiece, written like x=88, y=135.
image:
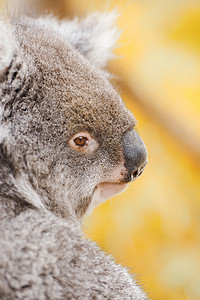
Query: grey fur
x=50, y=91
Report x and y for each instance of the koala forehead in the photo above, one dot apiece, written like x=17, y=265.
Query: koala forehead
x=69, y=86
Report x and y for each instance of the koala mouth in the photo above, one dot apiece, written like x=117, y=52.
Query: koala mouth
x=105, y=190
x=109, y=189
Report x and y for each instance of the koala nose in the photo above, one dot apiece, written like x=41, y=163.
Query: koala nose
x=135, y=155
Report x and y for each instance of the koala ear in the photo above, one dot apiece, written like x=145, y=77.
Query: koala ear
x=94, y=37
x=7, y=47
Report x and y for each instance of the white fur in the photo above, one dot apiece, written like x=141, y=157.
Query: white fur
x=7, y=47
x=4, y=131
x=21, y=183
x=25, y=189
x=95, y=201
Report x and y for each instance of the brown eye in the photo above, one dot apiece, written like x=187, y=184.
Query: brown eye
x=81, y=141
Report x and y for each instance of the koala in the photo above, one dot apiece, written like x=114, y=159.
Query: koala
x=67, y=143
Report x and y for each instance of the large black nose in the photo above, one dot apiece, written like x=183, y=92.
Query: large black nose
x=135, y=155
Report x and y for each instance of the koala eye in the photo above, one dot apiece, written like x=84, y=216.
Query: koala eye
x=83, y=142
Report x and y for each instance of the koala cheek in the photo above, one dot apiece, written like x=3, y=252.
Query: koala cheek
x=118, y=173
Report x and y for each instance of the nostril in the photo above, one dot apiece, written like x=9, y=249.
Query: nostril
x=133, y=176
x=140, y=172
x=136, y=173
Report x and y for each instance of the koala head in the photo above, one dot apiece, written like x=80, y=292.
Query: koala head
x=64, y=127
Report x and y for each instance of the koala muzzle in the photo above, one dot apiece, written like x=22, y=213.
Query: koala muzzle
x=135, y=155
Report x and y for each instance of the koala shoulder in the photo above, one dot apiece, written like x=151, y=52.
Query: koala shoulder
x=49, y=258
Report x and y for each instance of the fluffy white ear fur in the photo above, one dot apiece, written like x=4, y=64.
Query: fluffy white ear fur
x=94, y=36
x=7, y=47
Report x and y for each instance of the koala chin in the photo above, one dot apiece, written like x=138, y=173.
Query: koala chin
x=67, y=143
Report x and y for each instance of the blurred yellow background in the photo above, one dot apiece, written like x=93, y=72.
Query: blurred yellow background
x=153, y=228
